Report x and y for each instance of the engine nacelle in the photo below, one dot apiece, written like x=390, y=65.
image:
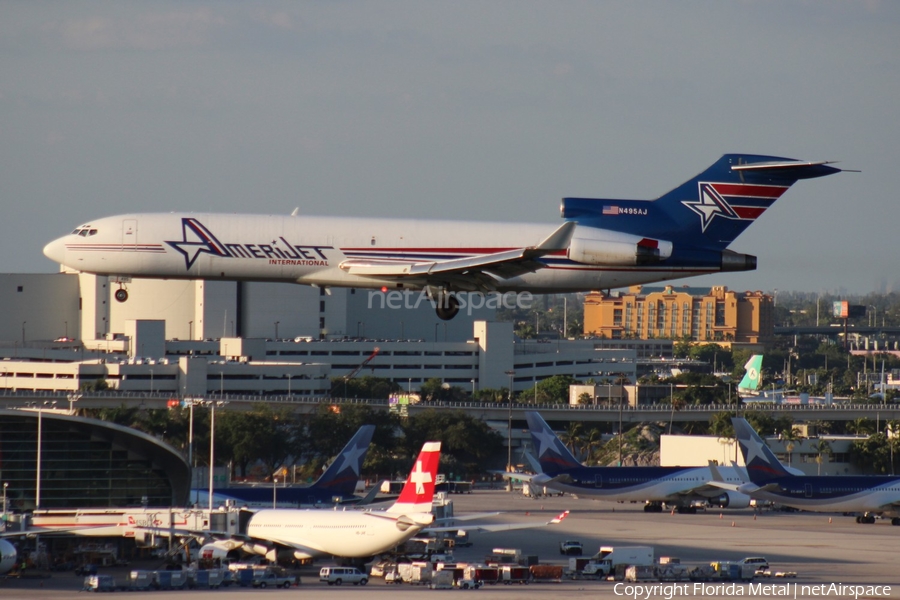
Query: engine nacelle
x=8, y=556
x=221, y=550
x=731, y=500
x=592, y=246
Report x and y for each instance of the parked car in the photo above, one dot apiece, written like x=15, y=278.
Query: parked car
x=571, y=548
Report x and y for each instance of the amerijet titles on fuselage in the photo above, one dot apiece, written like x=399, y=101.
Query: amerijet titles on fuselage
x=602, y=243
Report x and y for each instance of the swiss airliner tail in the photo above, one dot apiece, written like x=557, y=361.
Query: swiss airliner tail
x=418, y=493
x=762, y=464
x=552, y=454
x=711, y=209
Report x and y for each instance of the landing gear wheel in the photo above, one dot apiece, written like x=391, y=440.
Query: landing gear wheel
x=447, y=307
x=121, y=295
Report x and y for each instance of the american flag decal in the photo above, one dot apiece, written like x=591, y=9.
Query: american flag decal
x=610, y=210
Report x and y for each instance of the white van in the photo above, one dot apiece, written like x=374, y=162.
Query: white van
x=757, y=561
x=339, y=575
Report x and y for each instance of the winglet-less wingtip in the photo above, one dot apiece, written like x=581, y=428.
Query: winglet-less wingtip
x=559, y=518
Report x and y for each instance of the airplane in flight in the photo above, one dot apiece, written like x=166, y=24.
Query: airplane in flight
x=868, y=495
x=602, y=243
x=337, y=485
x=679, y=487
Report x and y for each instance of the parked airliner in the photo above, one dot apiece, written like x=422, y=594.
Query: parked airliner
x=310, y=533
x=868, y=495
x=335, y=486
x=679, y=487
x=602, y=244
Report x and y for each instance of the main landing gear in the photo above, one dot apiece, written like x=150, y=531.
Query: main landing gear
x=121, y=294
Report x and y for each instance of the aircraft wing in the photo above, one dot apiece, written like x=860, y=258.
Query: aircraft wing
x=505, y=264
x=491, y=528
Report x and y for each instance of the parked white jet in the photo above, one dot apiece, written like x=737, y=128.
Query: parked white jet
x=348, y=534
x=603, y=244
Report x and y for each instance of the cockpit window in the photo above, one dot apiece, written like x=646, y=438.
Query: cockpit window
x=85, y=231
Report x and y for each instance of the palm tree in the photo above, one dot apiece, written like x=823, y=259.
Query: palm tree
x=860, y=426
x=571, y=437
x=821, y=447
x=789, y=437
x=593, y=440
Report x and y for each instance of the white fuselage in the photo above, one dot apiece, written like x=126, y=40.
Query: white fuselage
x=310, y=250
x=659, y=489
x=344, y=533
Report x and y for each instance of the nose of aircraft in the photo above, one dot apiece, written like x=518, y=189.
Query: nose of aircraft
x=56, y=250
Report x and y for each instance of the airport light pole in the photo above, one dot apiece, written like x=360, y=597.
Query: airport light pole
x=5, y=485
x=274, y=492
x=37, y=488
x=212, y=452
x=509, y=485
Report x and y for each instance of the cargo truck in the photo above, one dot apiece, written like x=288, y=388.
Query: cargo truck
x=612, y=559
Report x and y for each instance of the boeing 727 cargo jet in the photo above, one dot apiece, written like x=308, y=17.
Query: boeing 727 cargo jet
x=602, y=244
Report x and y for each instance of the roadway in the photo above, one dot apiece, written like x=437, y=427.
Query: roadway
x=820, y=548
x=482, y=410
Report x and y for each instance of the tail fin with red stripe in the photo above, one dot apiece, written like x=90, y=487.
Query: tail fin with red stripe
x=417, y=494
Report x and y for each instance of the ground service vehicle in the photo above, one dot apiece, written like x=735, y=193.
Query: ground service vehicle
x=268, y=578
x=571, y=548
x=341, y=575
x=604, y=563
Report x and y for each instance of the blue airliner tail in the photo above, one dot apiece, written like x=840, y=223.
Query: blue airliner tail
x=708, y=211
x=762, y=464
x=342, y=475
x=552, y=454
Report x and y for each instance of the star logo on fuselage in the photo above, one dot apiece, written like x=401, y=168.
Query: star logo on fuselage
x=710, y=205
x=196, y=239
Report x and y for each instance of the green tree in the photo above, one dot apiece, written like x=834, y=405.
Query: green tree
x=821, y=447
x=467, y=443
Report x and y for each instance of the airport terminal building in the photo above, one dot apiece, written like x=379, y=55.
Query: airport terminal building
x=50, y=459
x=61, y=331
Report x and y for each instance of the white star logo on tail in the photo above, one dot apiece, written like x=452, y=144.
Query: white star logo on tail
x=420, y=477
x=545, y=439
x=350, y=458
x=710, y=205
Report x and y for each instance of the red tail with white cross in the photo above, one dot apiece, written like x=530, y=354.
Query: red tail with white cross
x=418, y=492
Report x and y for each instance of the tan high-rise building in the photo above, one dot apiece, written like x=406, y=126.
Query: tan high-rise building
x=720, y=316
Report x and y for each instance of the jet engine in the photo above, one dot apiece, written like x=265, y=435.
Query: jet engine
x=731, y=500
x=592, y=246
x=220, y=549
x=7, y=556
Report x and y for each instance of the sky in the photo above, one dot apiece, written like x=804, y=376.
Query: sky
x=489, y=111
